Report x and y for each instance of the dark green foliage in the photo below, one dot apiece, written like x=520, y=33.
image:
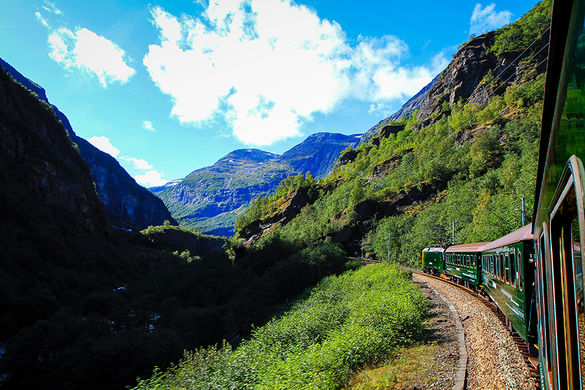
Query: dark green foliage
x=84, y=306
x=519, y=35
x=339, y=326
x=465, y=164
x=264, y=206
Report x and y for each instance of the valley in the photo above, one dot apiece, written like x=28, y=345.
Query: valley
x=240, y=274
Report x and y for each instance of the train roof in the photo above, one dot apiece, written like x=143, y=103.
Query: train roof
x=522, y=234
x=434, y=249
x=464, y=248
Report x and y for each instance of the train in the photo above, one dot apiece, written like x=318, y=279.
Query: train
x=535, y=274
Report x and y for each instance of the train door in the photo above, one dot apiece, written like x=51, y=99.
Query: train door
x=567, y=226
x=546, y=340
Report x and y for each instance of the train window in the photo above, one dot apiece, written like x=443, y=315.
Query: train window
x=578, y=275
x=544, y=318
x=566, y=272
x=507, y=268
x=513, y=269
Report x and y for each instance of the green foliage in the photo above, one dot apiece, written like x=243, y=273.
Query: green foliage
x=339, y=326
x=520, y=34
x=263, y=206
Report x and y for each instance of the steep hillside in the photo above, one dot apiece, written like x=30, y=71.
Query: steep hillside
x=318, y=153
x=36, y=154
x=470, y=147
x=406, y=110
x=209, y=199
x=83, y=306
x=127, y=204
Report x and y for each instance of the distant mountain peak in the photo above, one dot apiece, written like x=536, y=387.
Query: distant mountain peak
x=249, y=154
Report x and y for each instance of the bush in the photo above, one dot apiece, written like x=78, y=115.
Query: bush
x=342, y=324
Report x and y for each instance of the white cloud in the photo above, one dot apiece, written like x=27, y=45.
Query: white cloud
x=147, y=125
x=104, y=144
x=142, y=171
x=49, y=6
x=89, y=52
x=137, y=163
x=266, y=67
x=41, y=19
x=487, y=19
x=152, y=178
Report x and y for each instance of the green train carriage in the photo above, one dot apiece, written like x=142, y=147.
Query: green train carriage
x=433, y=260
x=462, y=262
x=508, y=276
x=559, y=214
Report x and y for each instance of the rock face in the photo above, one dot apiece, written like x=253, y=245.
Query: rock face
x=38, y=160
x=210, y=198
x=318, y=153
x=292, y=205
x=127, y=204
x=464, y=79
x=407, y=108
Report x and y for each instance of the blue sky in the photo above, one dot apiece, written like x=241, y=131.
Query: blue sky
x=171, y=86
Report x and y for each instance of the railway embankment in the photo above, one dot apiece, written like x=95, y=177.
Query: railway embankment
x=494, y=360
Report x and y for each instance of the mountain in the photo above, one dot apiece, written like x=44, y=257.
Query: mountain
x=469, y=144
x=209, y=199
x=407, y=108
x=84, y=306
x=126, y=203
x=171, y=183
x=318, y=153
x=35, y=153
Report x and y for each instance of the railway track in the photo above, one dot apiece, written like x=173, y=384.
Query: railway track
x=530, y=362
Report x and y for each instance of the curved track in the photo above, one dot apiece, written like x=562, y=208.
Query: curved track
x=518, y=341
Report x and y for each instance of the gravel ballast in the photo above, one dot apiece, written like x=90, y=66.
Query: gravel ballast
x=494, y=361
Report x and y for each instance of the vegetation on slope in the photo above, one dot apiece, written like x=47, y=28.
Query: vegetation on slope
x=85, y=306
x=411, y=185
x=339, y=326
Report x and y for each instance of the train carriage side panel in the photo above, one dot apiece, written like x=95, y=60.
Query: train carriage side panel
x=462, y=262
x=507, y=277
x=433, y=260
x=559, y=214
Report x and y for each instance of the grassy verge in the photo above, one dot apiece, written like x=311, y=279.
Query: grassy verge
x=338, y=327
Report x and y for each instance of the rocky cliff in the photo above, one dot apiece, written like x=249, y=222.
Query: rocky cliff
x=318, y=153
x=39, y=163
x=127, y=204
x=478, y=72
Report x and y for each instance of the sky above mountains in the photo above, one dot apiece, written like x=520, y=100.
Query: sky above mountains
x=171, y=86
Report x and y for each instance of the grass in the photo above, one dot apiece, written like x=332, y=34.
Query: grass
x=343, y=324
x=405, y=369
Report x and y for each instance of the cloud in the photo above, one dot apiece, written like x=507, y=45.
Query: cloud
x=104, y=144
x=49, y=6
x=267, y=67
x=147, y=125
x=88, y=52
x=487, y=19
x=137, y=163
x=152, y=178
x=142, y=171
x=41, y=19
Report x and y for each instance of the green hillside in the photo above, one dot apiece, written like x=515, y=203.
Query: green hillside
x=340, y=325
x=467, y=155
x=462, y=161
